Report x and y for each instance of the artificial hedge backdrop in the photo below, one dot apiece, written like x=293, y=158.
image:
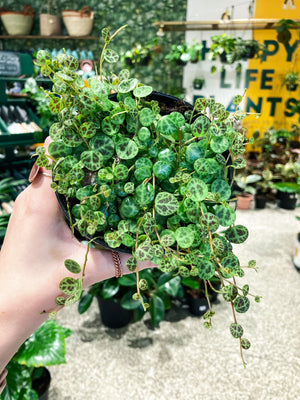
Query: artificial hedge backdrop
x=138, y=15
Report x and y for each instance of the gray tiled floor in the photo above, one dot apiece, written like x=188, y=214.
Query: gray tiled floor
x=181, y=360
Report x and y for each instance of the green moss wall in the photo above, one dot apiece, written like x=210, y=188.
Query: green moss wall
x=138, y=15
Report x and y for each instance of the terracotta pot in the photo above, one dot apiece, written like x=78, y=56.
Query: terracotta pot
x=244, y=200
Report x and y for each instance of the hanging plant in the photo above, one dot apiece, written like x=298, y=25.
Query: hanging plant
x=149, y=174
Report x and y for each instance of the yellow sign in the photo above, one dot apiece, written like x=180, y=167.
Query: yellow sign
x=266, y=93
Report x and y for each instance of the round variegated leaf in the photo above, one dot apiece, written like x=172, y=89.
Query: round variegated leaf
x=239, y=163
x=146, y=116
x=222, y=187
x=56, y=131
x=42, y=161
x=92, y=159
x=236, y=330
x=142, y=91
x=72, y=266
x=200, y=104
x=218, y=246
x=241, y=304
x=237, y=234
x=72, y=63
x=111, y=56
x=237, y=99
x=167, y=238
x=121, y=172
x=60, y=87
x=218, y=110
x=177, y=118
x=219, y=144
x=144, y=194
x=105, y=33
x=158, y=251
x=118, y=116
x=104, y=145
x=144, y=252
x=184, y=237
x=226, y=215
x=211, y=221
x=68, y=285
x=113, y=239
x=198, y=189
x=193, y=152
x=71, y=138
x=202, y=167
x=166, y=203
x=166, y=126
x=108, y=127
x=126, y=149
x=162, y=169
x=58, y=150
x=131, y=264
x=43, y=56
x=60, y=300
x=87, y=129
x=127, y=85
x=200, y=125
x=56, y=105
x=165, y=265
x=124, y=75
x=206, y=268
x=231, y=264
x=129, y=208
x=245, y=343
x=229, y=292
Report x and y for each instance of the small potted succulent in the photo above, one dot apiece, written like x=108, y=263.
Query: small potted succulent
x=194, y=51
x=288, y=187
x=245, y=190
x=148, y=174
x=198, y=83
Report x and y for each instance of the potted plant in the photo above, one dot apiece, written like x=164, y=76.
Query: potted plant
x=245, y=190
x=283, y=30
x=198, y=83
x=264, y=186
x=178, y=54
x=17, y=22
x=222, y=47
x=117, y=307
x=28, y=376
x=247, y=49
x=146, y=173
x=194, y=51
x=291, y=80
x=138, y=55
x=289, y=185
x=200, y=294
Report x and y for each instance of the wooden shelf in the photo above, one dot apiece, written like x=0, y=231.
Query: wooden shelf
x=38, y=37
x=234, y=24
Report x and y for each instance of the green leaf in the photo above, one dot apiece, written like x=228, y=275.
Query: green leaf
x=219, y=144
x=127, y=301
x=166, y=125
x=110, y=288
x=142, y=91
x=72, y=266
x=157, y=310
x=200, y=125
x=206, y=268
x=69, y=285
x=18, y=378
x=84, y=303
x=166, y=203
x=198, y=189
x=127, y=85
x=241, y=304
x=105, y=35
x=92, y=159
x=237, y=234
x=236, y=330
x=222, y=187
x=126, y=149
x=144, y=194
x=226, y=215
x=146, y=116
x=45, y=347
x=172, y=286
x=184, y=237
x=111, y=56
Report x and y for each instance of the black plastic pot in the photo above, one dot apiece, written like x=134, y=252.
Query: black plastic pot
x=291, y=87
x=260, y=201
x=287, y=201
x=41, y=384
x=197, y=307
x=112, y=314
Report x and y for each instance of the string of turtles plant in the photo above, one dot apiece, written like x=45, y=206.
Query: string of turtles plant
x=155, y=184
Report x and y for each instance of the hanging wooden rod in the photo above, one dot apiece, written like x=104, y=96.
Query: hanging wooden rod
x=234, y=24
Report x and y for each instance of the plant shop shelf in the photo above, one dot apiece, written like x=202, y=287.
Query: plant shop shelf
x=14, y=37
x=234, y=24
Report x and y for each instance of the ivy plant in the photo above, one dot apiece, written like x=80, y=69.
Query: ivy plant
x=140, y=175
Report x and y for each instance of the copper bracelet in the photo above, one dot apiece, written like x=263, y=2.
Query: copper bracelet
x=117, y=264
